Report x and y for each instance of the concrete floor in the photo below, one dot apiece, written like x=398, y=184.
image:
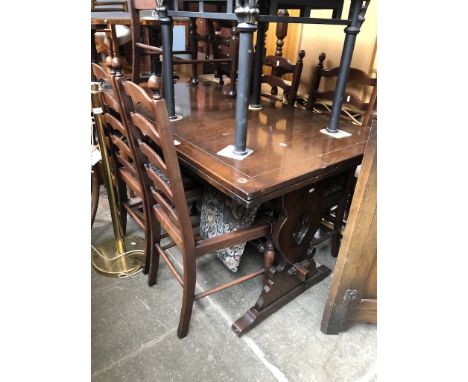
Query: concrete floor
x=134, y=329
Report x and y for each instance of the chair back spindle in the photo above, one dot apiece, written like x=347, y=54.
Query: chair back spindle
x=355, y=75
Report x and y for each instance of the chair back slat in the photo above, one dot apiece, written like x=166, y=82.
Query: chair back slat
x=111, y=102
x=348, y=99
x=127, y=165
x=354, y=75
x=131, y=182
x=275, y=81
x=281, y=65
x=100, y=73
x=113, y=122
x=172, y=229
x=159, y=183
x=151, y=136
x=138, y=96
x=154, y=158
x=146, y=127
x=124, y=151
x=169, y=210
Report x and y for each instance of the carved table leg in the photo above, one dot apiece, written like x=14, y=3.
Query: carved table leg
x=294, y=270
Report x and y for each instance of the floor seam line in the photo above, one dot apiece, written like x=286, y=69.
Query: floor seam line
x=142, y=347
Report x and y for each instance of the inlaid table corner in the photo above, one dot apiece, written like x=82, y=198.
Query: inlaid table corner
x=293, y=168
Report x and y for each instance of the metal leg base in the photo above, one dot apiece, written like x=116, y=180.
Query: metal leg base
x=108, y=262
x=255, y=107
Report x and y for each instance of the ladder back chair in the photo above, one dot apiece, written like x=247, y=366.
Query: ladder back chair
x=169, y=205
x=109, y=39
x=144, y=40
x=279, y=67
x=125, y=157
x=124, y=165
x=355, y=106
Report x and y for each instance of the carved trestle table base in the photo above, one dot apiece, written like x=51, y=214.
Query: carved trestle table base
x=294, y=270
x=294, y=170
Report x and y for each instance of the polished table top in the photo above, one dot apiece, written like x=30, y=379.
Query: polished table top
x=289, y=149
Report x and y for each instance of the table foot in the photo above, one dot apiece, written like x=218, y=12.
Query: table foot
x=280, y=287
x=255, y=107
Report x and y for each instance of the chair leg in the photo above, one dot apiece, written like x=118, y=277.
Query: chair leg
x=153, y=237
x=233, y=55
x=193, y=208
x=153, y=266
x=188, y=295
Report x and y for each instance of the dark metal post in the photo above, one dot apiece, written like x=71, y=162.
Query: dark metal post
x=246, y=12
x=257, y=73
x=357, y=12
x=168, y=74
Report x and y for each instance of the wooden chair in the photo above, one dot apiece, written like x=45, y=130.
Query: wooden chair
x=124, y=167
x=169, y=205
x=109, y=40
x=353, y=106
x=279, y=67
x=146, y=42
x=125, y=164
x=143, y=40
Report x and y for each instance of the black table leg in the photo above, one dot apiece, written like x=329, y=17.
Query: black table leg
x=357, y=10
x=168, y=67
x=243, y=84
x=257, y=73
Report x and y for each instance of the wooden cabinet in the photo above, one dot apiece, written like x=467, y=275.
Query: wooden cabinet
x=353, y=293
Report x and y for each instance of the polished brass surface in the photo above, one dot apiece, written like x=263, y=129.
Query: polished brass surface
x=113, y=259
x=108, y=261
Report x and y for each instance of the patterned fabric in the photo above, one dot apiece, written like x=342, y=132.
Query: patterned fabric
x=221, y=214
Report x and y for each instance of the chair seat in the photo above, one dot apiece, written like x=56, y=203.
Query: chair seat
x=124, y=35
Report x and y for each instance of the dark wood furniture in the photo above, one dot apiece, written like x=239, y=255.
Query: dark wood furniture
x=279, y=67
x=247, y=13
x=106, y=21
x=169, y=204
x=353, y=292
x=293, y=168
x=151, y=43
x=125, y=159
x=358, y=106
x=124, y=165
